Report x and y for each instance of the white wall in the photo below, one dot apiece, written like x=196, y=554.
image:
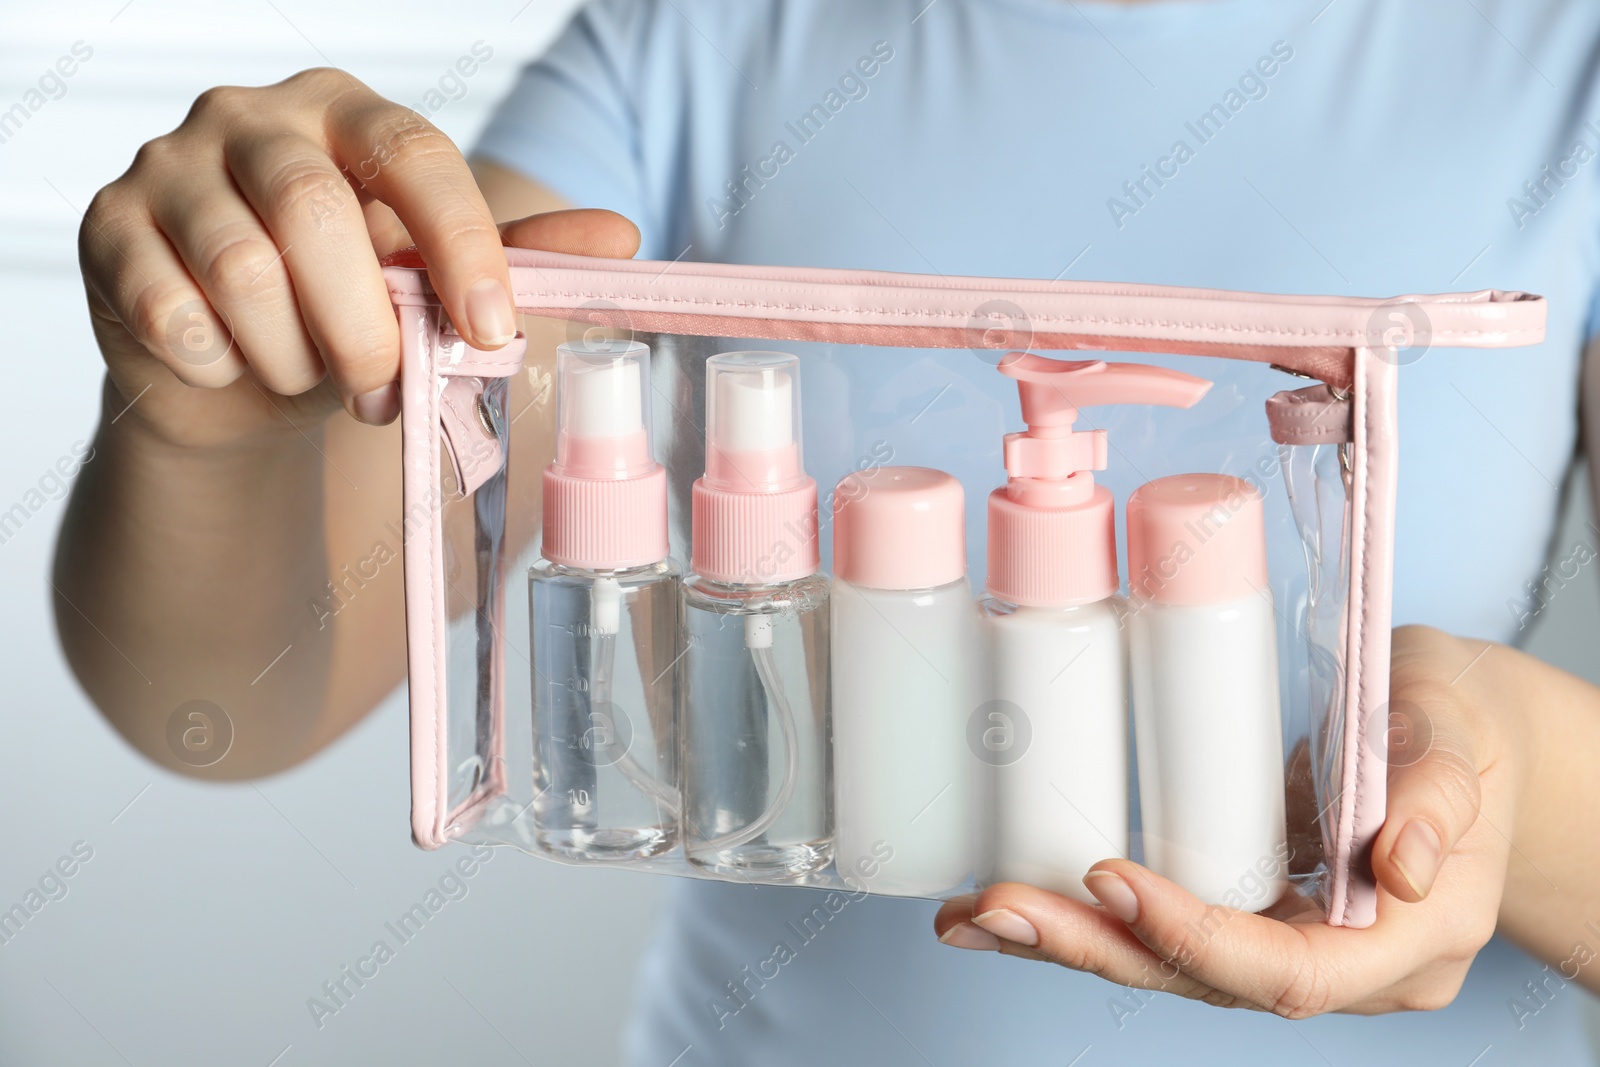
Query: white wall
x=208, y=915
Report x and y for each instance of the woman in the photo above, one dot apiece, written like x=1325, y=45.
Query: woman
x=1364, y=147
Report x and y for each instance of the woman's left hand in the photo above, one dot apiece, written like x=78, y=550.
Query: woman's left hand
x=1440, y=861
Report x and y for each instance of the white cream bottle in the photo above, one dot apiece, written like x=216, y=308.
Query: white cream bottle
x=1205, y=689
x=1058, y=704
x=906, y=660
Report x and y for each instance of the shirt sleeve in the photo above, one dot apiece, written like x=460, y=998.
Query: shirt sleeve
x=570, y=122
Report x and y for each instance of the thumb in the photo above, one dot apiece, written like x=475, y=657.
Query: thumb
x=1434, y=792
x=578, y=231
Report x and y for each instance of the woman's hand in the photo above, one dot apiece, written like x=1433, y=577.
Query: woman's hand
x=234, y=285
x=239, y=254
x=1455, y=778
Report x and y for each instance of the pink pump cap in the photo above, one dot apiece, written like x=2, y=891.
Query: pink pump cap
x=1196, y=539
x=1052, y=530
x=605, y=496
x=899, y=528
x=754, y=519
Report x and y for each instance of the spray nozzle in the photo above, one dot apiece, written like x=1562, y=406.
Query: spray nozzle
x=603, y=410
x=1050, y=464
x=753, y=422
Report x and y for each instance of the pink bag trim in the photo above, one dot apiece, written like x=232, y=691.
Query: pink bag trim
x=1309, y=335
x=1314, y=416
x=1363, y=806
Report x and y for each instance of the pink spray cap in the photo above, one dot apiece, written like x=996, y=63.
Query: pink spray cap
x=605, y=497
x=1196, y=539
x=1052, y=530
x=899, y=528
x=755, y=509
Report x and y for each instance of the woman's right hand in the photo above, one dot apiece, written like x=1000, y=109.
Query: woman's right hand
x=239, y=254
x=234, y=287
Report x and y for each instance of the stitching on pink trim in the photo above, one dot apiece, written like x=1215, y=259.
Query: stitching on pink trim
x=698, y=302
x=1508, y=336
x=470, y=368
x=1359, y=644
x=439, y=710
x=1299, y=435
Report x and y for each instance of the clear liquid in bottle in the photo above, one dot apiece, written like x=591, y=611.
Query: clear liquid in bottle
x=757, y=764
x=605, y=649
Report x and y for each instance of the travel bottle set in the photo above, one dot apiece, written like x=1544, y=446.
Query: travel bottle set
x=666, y=613
x=767, y=723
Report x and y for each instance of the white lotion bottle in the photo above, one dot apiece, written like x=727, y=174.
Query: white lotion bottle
x=1057, y=732
x=1205, y=689
x=906, y=660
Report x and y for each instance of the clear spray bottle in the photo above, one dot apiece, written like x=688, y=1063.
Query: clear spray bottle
x=757, y=800
x=1059, y=656
x=604, y=620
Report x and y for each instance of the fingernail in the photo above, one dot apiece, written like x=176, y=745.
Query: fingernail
x=1117, y=896
x=1009, y=926
x=1416, y=855
x=489, y=313
x=965, y=935
x=377, y=407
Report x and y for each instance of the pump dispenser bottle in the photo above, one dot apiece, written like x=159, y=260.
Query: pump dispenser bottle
x=906, y=662
x=757, y=796
x=604, y=621
x=1205, y=689
x=1058, y=717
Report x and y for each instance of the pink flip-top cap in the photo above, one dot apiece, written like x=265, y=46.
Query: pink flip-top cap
x=1196, y=539
x=899, y=528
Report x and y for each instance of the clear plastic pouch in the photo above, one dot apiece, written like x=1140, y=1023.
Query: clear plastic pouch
x=553, y=712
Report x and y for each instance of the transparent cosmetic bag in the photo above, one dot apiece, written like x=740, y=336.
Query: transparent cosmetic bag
x=910, y=584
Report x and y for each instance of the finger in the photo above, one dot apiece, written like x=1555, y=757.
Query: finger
x=1020, y=920
x=315, y=217
x=1293, y=969
x=577, y=231
x=240, y=268
x=952, y=924
x=384, y=228
x=407, y=163
x=132, y=269
x=1434, y=797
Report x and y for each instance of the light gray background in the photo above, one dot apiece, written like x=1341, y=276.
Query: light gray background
x=209, y=915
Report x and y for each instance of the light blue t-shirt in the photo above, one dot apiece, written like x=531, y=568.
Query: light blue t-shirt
x=1360, y=147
